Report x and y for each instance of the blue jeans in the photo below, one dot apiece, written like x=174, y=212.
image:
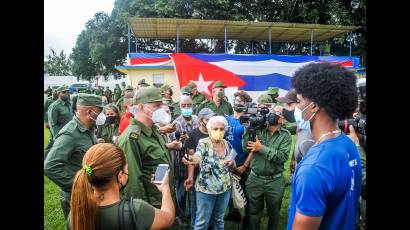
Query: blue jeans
x=211, y=207
x=181, y=198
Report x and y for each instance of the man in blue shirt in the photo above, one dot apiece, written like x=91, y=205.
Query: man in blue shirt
x=242, y=160
x=326, y=184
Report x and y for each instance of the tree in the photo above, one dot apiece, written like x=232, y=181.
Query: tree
x=104, y=43
x=57, y=64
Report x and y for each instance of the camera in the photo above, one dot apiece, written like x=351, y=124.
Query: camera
x=253, y=119
x=359, y=125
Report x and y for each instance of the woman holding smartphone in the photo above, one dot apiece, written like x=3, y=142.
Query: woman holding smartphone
x=95, y=198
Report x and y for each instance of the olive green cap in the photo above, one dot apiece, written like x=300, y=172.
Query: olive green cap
x=165, y=87
x=273, y=90
x=85, y=99
x=62, y=88
x=265, y=98
x=191, y=85
x=218, y=84
x=129, y=87
x=142, y=82
x=185, y=90
x=148, y=95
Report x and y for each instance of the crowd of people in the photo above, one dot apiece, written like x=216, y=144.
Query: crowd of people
x=105, y=147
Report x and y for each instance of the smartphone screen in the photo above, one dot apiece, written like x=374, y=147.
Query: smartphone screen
x=160, y=173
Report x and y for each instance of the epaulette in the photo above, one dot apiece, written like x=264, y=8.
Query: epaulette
x=135, y=133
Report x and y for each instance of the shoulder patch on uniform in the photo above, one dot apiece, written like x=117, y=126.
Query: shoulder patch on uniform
x=135, y=133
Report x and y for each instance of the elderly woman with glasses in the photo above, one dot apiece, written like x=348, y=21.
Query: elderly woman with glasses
x=215, y=157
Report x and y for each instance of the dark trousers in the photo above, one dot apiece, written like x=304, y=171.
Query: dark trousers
x=181, y=198
x=264, y=191
x=65, y=198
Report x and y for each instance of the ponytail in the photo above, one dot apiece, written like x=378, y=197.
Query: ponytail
x=83, y=205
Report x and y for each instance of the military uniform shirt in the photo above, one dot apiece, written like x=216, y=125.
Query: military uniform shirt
x=66, y=156
x=106, y=131
x=273, y=154
x=59, y=113
x=144, y=148
x=224, y=109
x=47, y=104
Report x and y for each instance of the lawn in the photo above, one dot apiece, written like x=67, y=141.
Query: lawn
x=54, y=219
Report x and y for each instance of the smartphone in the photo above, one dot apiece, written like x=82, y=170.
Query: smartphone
x=160, y=173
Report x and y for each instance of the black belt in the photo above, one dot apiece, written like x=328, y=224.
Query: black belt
x=274, y=176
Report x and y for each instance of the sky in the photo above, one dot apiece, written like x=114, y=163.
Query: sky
x=65, y=19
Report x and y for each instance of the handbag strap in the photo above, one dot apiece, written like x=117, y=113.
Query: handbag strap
x=121, y=215
x=132, y=212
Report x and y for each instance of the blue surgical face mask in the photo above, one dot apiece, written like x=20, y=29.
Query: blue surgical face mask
x=186, y=112
x=302, y=123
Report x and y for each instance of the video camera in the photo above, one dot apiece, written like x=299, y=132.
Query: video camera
x=359, y=125
x=253, y=119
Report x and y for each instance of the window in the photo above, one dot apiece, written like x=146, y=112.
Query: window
x=158, y=79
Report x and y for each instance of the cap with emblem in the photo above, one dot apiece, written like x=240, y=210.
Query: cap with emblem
x=205, y=113
x=129, y=87
x=290, y=97
x=85, y=99
x=62, y=88
x=273, y=90
x=148, y=95
x=191, y=85
x=218, y=84
x=142, y=82
x=265, y=99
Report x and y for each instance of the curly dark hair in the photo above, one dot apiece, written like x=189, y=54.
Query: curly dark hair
x=331, y=87
x=244, y=96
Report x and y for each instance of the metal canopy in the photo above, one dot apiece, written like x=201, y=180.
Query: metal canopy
x=166, y=28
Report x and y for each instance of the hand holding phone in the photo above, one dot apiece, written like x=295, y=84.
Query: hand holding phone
x=160, y=173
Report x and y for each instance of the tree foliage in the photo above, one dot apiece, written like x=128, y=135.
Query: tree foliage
x=103, y=43
x=57, y=64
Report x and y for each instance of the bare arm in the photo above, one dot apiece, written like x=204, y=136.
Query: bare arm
x=302, y=222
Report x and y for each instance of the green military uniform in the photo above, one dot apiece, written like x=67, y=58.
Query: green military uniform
x=108, y=94
x=123, y=85
x=47, y=104
x=66, y=154
x=144, y=148
x=48, y=91
x=198, y=98
x=107, y=132
x=59, y=113
x=265, y=182
x=273, y=92
x=225, y=108
x=120, y=102
x=143, y=83
x=117, y=93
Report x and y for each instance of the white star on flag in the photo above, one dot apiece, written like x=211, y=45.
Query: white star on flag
x=202, y=85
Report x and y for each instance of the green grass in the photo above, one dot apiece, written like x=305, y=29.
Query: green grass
x=53, y=215
x=54, y=219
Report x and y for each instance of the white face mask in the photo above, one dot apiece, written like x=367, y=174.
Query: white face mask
x=100, y=119
x=161, y=116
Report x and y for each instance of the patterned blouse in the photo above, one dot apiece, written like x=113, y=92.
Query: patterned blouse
x=214, y=177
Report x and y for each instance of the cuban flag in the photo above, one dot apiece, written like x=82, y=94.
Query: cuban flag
x=251, y=73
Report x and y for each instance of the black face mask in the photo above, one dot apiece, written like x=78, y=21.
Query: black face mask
x=289, y=115
x=111, y=119
x=238, y=108
x=273, y=119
